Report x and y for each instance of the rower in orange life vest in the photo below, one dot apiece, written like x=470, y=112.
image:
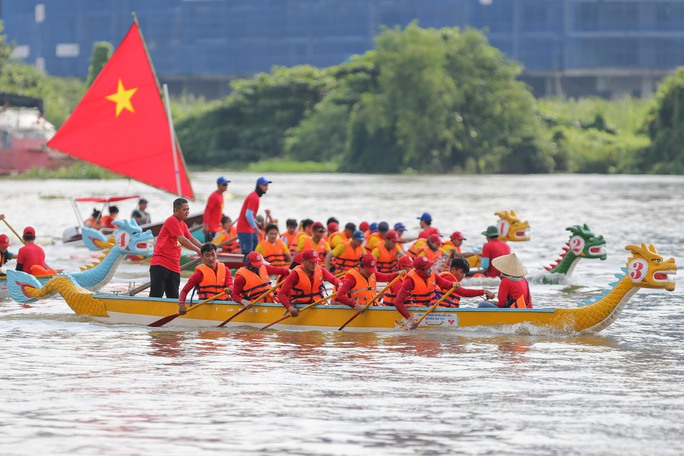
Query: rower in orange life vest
x=5, y=255
x=404, y=263
x=339, y=237
x=377, y=238
x=273, y=249
x=306, y=231
x=388, y=253
x=347, y=254
x=359, y=285
x=108, y=220
x=227, y=232
x=514, y=291
x=289, y=237
x=251, y=280
x=458, y=269
x=418, y=289
x=315, y=241
x=210, y=278
x=332, y=229
x=304, y=285
x=430, y=248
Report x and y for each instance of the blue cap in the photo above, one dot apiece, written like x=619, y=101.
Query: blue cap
x=358, y=235
x=399, y=227
x=425, y=217
x=263, y=181
x=373, y=227
x=222, y=180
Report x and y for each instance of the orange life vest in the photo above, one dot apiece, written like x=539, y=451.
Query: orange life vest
x=387, y=260
x=423, y=293
x=453, y=300
x=307, y=290
x=291, y=240
x=322, y=246
x=212, y=282
x=349, y=259
x=223, y=235
x=417, y=247
x=365, y=289
x=275, y=254
x=373, y=240
x=389, y=297
x=336, y=238
x=255, y=285
x=448, y=245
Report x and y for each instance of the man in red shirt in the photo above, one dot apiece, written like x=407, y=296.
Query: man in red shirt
x=165, y=262
x=304, y=284
x=359, y=284
x=213, y=211
x=210, y=278
x=494, y=248
x=514, y=291
x=31, y=255
x=247, y=225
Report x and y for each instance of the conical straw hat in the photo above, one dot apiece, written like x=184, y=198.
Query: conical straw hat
x=510, y=265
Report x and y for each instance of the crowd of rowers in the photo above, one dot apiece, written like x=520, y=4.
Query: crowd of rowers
x=354, y=261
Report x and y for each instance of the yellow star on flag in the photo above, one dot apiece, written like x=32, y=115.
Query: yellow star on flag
x=122, y=98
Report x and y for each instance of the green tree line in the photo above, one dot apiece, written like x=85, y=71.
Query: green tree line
x=423, y=100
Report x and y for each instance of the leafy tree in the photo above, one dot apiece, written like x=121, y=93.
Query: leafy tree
x=5, y=49
x=665, y=126
x=102, y=51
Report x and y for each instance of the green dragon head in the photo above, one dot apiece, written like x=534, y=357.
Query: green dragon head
x=647, y=269
x=511, y=228
x=585, y=244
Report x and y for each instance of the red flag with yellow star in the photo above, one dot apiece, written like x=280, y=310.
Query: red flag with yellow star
x=121, y=123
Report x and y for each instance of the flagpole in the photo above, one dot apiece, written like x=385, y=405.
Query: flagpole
x=173, y=139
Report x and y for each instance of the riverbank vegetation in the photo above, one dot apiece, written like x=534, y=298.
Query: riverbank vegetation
x=423, y=100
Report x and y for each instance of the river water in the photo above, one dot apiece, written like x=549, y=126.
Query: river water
x=69, y=385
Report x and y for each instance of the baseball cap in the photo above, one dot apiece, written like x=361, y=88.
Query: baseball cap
x=317, y=226
x=222, y=180
x=263, y=181
x=255, y=259
x=332, y=226
x=29, y=231
x=369, y=262
x=373, y=227
x=399, y=227
x=405, y=261
x=358, y=235
x=425, y=217
x=422, y=262
x=364, y=226
x=311, y=255
x=298, y=258
x=435, y=239
x=383, y=227
x=457, y=235
x=4, y=240
x=392, y=235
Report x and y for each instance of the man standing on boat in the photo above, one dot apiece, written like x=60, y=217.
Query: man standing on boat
x=140, y=215
x=213, y=211
x=165, y=262
x=247, y=225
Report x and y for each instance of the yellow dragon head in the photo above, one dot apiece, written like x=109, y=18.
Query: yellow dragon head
x=511, y=228
x=647, y=268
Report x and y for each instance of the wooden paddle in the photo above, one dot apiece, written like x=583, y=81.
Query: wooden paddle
x=370, y=303
x=266, y=293
x=145, y=286
x=434, y=306
x=168, y=318
x=322, y=300
x=15, y=233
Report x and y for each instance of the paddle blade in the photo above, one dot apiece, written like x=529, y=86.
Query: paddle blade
x=163, y=321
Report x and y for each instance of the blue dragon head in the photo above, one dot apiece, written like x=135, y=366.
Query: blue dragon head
x=130, y=238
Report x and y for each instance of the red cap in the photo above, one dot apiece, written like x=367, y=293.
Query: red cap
x=255, y=259
x=457, y=235
x=391, y=235
x=29, y=231
x=405, y=261
x=435, y=239
x=332, y=226
x=422, y=262
x=364, y=226
x=298, y=258
x=4, y=240
x=317, y=226
x=311, y=255
x=369, y=263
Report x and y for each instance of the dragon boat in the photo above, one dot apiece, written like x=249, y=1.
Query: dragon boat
x=129, y=239
x=645, y=268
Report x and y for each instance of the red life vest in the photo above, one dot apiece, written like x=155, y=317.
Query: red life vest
x=255, y=285
x=307, y=290
x=212, y=282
